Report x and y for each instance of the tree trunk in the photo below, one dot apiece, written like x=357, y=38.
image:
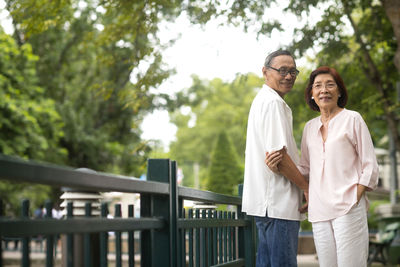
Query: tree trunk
x=392, y=9
x=373, y=74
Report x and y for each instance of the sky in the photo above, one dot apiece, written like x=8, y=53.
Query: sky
x=210, y=51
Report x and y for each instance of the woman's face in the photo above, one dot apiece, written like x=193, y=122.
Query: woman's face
x=325, y=91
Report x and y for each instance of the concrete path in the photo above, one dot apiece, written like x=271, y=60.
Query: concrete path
x=12, y=259
x=311, y=260
x=307, y=260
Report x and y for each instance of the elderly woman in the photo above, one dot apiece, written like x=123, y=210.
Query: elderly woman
x=337, y=154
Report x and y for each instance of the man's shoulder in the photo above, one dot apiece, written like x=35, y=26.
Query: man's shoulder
x=266, y=97
x=271, y=93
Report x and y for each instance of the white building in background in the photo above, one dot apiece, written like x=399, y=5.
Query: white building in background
x=125, y=199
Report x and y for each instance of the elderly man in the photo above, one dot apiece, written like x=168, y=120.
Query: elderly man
x=274, y=198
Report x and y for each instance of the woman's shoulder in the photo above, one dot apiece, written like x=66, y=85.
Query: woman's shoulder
x=312, y=124
x=352, y=114
x=315, y=120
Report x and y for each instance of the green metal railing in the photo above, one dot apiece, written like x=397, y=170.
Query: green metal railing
x=169, y=234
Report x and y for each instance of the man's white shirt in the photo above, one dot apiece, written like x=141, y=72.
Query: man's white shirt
x=269, y=129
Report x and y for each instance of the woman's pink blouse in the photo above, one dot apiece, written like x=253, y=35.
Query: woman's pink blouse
x=336, y=166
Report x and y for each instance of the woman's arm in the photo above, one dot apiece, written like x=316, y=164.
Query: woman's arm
x=280, y=162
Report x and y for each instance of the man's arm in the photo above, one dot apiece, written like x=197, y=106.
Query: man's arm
x=280, y=161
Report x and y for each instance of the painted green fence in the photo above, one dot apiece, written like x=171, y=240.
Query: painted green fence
x=169, y=235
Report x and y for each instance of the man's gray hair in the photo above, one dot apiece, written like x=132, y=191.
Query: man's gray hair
x=275, y=54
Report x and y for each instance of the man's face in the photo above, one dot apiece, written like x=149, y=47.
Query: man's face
x=281, y=84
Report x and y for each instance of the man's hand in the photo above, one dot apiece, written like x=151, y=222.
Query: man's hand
x=272, y=160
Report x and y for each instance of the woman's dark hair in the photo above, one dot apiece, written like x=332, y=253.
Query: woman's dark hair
x=342, y=101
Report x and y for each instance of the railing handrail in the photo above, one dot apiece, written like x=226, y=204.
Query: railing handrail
x=19, y=170
x=162, y=221
x=32, y=227
x=207, y=196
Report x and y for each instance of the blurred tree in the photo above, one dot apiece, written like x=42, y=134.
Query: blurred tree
x=12, y=195
x=225, y=172
x=392, y=9
x=108, y=54
x=89, y=57
x=30, y=126
x=212, y=107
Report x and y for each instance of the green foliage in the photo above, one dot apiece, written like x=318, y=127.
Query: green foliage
x=224, y=172
x=87, y=57
x=305, y=226
x=373, y=223
x=30, y=126
x=12, y=195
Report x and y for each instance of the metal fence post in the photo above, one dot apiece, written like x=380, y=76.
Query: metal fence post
x=104, y=239
x=131, y=239
x=25, y=240
x=156, y=243
x=173, y=216
x=49, y=238
x=1, y=237
x=246, y=237
x=68, y=248
x=87, y=246
x=118, y=238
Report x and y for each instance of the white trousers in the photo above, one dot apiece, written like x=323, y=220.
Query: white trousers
x=343, y=242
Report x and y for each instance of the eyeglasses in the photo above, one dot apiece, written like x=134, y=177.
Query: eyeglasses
x=284, y=71
x=328, y=86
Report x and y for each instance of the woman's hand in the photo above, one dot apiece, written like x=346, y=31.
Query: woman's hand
x=360, y=191
x=273, y=159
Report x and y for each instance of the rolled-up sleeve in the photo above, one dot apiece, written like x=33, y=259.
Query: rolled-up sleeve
x=365, y=149
x=304, y=165
x=274, y=126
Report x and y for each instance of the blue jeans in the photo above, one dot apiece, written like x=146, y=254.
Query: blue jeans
x=277, y=242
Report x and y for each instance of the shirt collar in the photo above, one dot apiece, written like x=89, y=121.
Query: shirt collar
x=333, y=119
x=271, y=91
